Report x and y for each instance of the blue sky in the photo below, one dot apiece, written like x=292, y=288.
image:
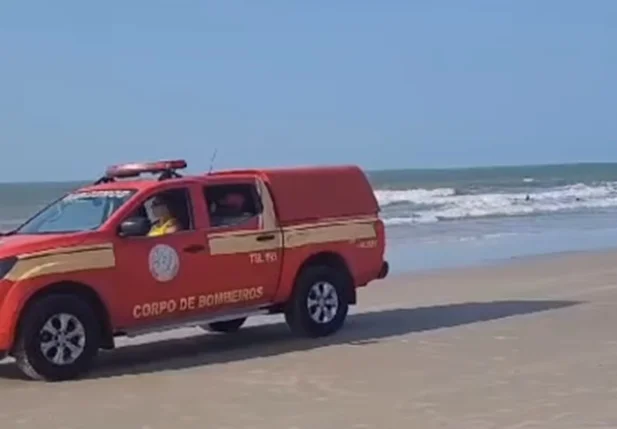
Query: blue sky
x=384, y=84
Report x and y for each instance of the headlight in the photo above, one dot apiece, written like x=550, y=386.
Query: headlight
x=6, y=264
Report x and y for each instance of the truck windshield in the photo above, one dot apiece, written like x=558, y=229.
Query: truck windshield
x=75, y=212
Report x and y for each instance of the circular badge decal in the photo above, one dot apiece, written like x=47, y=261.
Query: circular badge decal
x=164, y=262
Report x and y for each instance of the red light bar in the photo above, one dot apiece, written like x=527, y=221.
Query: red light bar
x=135, y=169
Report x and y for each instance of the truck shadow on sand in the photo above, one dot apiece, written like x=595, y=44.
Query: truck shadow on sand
x=275, y=339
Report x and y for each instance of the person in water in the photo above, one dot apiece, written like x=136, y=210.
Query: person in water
x=165, y=222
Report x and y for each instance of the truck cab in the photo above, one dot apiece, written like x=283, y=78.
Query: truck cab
x=89, y=268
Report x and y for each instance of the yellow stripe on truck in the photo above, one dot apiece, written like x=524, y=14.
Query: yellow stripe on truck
x=64, y=260
x=234, y=242
x=99, y=256
x=352, y=231
x=294, y=236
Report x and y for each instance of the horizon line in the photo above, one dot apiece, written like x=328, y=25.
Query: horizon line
x=366, y=170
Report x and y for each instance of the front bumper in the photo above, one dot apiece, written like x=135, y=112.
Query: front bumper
x=385, y=269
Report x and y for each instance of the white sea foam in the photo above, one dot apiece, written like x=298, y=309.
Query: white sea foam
x=426, y=206
x=415, y=196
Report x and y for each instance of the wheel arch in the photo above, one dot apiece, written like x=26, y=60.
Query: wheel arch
x=84, y=292
x=333, y=260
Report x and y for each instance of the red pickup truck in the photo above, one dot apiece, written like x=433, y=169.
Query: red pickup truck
x=88, y=267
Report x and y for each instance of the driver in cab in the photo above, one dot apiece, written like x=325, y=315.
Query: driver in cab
x=165, y=222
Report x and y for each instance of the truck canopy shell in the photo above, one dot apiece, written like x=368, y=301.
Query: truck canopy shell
x=314, y=193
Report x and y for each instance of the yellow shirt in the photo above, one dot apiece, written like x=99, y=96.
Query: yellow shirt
x=162, y=228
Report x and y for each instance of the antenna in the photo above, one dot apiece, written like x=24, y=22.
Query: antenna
x=212, y=160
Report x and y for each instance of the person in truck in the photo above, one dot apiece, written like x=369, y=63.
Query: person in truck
x=229, y=210
x=165, y=222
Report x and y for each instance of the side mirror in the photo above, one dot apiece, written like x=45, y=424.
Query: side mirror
x=134, y=227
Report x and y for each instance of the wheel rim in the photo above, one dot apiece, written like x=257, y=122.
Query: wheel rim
x=62, y=339
x=322, y=302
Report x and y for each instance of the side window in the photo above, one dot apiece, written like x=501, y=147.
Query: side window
x=232, y=204
x=171, y=207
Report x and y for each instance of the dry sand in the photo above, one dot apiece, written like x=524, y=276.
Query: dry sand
x=531, y=343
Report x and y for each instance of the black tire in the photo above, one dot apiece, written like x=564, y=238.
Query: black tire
x=31, y=359
x=228, y=326
x=298, y=311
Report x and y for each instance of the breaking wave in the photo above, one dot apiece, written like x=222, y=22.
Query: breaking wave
x=433, y=205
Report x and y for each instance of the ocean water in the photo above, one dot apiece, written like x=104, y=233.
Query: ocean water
x=457, y=217
x=454, y=217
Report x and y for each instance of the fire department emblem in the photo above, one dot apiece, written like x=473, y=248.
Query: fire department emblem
x=164, y=262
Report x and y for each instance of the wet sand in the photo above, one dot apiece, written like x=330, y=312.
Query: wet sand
x=531, y=343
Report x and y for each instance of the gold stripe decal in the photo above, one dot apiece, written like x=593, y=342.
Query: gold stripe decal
x=66, y=250
x=62, y=260
x=100, y=256
x=352, y=231
x=333, y=222
x=226, y=243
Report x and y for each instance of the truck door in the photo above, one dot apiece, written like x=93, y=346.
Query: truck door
x=157, y=274
x=244, y=240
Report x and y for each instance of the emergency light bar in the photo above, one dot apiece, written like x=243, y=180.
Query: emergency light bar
x=166, y=168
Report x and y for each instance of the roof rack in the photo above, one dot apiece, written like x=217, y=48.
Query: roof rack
x=167, y=170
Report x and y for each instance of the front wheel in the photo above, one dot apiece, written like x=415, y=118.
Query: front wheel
x=58, y=339
x=319, y=304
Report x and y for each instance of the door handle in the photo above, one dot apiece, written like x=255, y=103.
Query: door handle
x=194, y=248
x=266, y=237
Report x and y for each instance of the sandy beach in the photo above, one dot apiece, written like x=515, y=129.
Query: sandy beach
x=523, y=344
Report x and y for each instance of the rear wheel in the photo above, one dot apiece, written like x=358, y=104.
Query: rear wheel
x=58, y=339
x=319, y=304
x=228, y=326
